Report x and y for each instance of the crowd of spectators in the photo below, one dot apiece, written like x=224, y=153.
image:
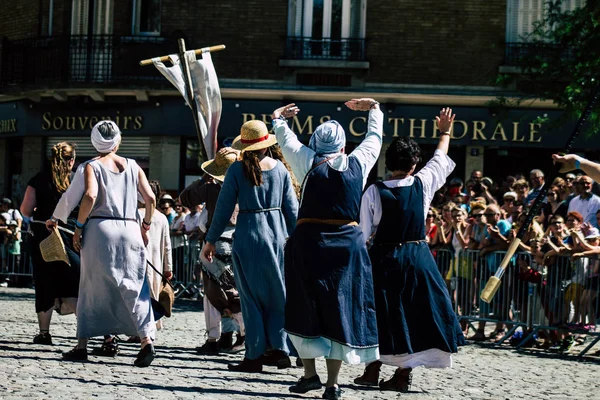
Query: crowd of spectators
x=470, y=226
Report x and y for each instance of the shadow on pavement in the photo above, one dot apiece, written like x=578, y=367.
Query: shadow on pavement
x=219, y=391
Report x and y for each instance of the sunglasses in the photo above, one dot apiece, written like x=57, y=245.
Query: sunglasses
x=478, y=216
x=178, y=205
x=490, y=214
x=429, y=215
x=556, y=223
x=509, y=199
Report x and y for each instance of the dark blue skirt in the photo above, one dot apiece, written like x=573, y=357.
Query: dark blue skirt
x=329, y=285
x=414, y=311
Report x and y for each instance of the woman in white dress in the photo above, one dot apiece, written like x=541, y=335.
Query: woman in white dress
x=114, y=292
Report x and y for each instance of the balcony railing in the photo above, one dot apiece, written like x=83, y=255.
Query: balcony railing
x=305, y=48
x=517, y=53
x=60, y=61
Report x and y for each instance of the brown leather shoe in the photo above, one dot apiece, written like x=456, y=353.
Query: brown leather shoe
x=400, y=382
x=371, y=375
x=247, y=365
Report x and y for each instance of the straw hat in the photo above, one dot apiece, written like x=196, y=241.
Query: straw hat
x=254, y=136
x=218, y=165
x=53, y=248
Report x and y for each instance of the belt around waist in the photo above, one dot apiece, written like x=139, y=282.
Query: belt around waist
x=114, y=218
x=259, y=210
x=338, y=222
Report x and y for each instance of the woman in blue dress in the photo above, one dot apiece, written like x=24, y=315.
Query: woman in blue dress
x=415, y=320
x=330, y=308
x=267, y=215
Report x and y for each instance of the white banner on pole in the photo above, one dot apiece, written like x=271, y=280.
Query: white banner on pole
x=207, y=93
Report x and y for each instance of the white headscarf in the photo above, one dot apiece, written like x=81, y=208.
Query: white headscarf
x=328, y=138
x=101, y=144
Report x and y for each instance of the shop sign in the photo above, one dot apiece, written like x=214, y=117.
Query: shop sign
x=53, y=122
x=8, y=125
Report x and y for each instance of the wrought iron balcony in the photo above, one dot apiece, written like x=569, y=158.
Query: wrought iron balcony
x=517, y=53
x=71, y=61
x=305, y=48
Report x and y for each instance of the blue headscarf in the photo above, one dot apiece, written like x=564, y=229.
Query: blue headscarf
x=328, y=138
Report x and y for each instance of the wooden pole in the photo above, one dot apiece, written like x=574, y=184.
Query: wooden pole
x=190, y=94
x=210, y=49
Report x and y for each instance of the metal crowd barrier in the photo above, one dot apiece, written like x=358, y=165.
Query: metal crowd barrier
x=16, y=265
x=187, y=278
x=561, y=296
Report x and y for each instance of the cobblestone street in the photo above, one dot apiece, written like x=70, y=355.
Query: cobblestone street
x=36, y=371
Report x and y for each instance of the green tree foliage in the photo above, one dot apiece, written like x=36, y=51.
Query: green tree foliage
x=561, y=61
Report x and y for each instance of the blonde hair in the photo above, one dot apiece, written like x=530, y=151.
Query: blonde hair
x=62, y=154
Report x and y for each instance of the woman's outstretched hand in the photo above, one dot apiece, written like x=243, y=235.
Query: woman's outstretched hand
x=364, y=104
x=288, y=111
x=445, y=120
x=567, y=162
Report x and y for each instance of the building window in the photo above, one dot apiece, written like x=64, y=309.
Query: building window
x=146, y=17
x=521, y=17
x=326, y=29
x=102, y=17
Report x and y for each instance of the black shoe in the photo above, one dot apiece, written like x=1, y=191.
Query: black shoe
x=276, y=358
x=284, y=362
x=299, y=362
x=75, y=355
x=239, y=344
x=226, y=341
x=247, y=365
x=108, y=349
x=43, y=338
x=333, y=393
x=208, y=348
x=145, y=356
x=306, y=384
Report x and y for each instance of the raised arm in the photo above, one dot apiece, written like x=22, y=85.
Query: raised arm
x=299, y=156
x=444, y=122
x=368, y=151
x=433, y=175
x=572, y=162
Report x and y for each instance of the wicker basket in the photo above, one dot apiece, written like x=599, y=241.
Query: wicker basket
x=53, y=248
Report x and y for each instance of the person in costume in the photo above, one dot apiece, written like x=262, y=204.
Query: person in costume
x=158, y=249
x=221, y=297
x=114, y=294
x=263, y=189
x=415, y=320
x=330, y=308
x=56, y=283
